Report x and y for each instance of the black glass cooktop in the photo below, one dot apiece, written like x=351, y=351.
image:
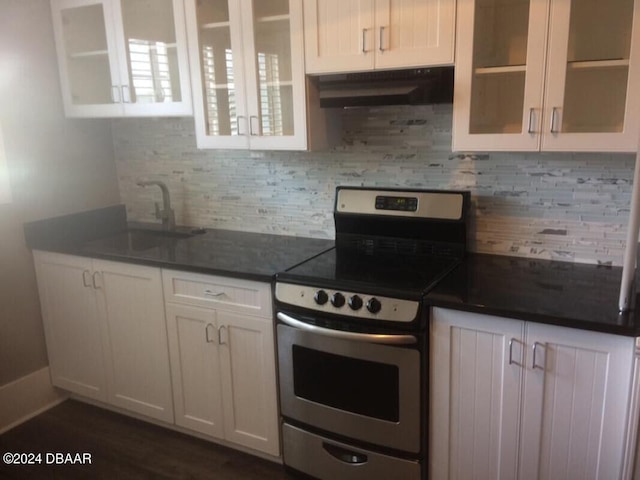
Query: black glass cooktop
x=401, y=276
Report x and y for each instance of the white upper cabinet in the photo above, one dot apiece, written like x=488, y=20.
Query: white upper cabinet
x=554, y=75
x=350, y=36
x=122, y=57
x=247, y=64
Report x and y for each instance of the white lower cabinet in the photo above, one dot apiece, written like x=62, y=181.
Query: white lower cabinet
x=208, y=357
x=223, y=359
x=134, y=336
x=512, y=399
x=105, y=331
x=71, y=324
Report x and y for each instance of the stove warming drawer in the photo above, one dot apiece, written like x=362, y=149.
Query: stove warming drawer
x=330, y=460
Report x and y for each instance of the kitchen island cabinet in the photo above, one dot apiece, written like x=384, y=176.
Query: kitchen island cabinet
x=513, y=399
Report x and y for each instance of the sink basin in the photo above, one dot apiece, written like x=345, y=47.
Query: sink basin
x=138, y=240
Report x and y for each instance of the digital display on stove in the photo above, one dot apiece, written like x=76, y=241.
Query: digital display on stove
x=404, y=204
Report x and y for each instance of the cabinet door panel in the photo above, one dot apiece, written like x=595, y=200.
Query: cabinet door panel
x=217, y=73
x=592, y=100
x=414, y=32
x=476, y=377
x=132, y=309
x=500, y=55
x=339, y=35
x=87, y=57
x=274, y=67
x=153, y=57
x=195, y=369
x=576, y=403
x=249, y=381
x=71, y=324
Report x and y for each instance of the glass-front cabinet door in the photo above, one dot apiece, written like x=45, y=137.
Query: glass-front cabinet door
x=153, y=61
x=122, y=57
x=88, y=63
x=499, y=75
x=217, y=72
x=593, y=76
x=275, y=74
x=248, y=73
x=587, y=65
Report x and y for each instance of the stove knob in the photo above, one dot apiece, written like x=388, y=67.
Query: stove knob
x=374, y=305
x=321, y=297
x=355, y=302
x=337, y=300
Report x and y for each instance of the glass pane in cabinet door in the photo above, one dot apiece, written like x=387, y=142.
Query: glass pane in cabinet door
x=150, y=40
x=85, y=44
x=597, y=66
x=501, y=29
x=216, y=58
x=273, y=66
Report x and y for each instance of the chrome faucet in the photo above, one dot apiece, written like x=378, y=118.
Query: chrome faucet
x=167, y=215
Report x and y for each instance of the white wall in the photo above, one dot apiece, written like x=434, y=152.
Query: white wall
x=56, y=166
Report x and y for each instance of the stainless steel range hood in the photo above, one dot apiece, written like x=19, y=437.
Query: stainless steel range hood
x=418, y=86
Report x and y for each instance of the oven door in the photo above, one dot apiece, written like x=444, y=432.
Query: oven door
x=361, y=386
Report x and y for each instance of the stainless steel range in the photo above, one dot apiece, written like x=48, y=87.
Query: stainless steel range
x=352, y=334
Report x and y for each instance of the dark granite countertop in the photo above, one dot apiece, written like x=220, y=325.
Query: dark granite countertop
x=559, y=293
x=103, y=234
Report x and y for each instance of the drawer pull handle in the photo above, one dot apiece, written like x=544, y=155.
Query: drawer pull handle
x=84, y=278
x=209, y=338
x=220, y=342
x=511, y=360
x=211, y=293
x=530, y=127
x=553, y=128
x=344, y=455
x=96, y=284
x=535, y=348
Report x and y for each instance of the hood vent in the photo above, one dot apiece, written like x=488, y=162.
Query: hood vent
x=418, y=86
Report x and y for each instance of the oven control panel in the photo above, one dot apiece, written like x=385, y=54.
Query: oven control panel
x=350, y=304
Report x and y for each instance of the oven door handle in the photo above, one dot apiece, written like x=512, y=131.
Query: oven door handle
x=357, y=337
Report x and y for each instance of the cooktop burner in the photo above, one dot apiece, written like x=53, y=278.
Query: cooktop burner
x=401, y=276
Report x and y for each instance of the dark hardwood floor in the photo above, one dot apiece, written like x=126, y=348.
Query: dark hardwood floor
x=123, y=448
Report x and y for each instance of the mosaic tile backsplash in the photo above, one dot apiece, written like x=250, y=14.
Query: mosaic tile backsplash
x=569, y=207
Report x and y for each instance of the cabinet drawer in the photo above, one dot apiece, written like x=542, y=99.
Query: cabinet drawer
x=217, y=292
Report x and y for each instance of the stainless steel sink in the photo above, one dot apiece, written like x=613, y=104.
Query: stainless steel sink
x=135, y=240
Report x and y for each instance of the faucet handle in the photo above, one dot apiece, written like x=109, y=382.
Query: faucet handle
x=159, y=213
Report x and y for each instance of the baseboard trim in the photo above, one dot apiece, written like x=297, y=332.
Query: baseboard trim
x=27, y=397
